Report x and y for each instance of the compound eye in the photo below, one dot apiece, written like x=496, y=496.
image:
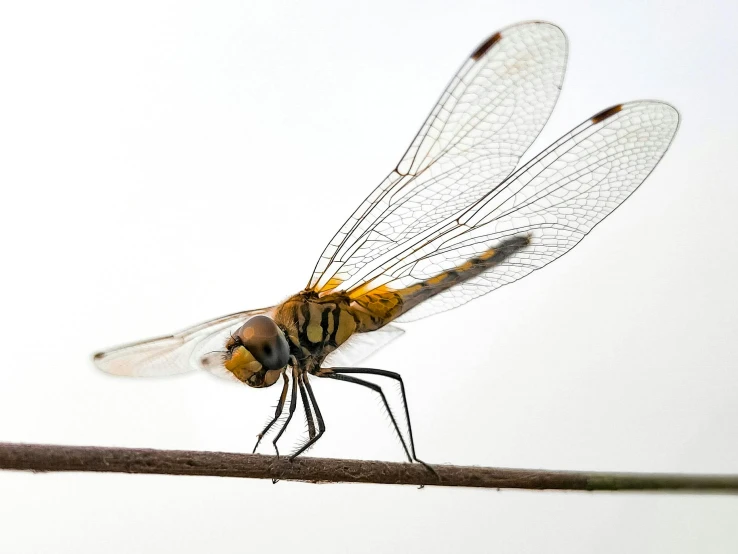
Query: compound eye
x=266, y=342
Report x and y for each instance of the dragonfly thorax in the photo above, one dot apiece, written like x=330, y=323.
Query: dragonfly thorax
x=315, y=326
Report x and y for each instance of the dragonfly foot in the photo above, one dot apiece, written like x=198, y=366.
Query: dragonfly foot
x=258, y=441
x=429, y=468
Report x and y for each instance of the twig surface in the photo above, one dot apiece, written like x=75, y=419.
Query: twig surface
x=45, y=458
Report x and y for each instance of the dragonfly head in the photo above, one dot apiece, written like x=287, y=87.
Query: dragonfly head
x=257, y=353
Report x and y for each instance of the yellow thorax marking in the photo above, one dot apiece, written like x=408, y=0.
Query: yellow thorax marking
x=314, y=329
x=346, y=327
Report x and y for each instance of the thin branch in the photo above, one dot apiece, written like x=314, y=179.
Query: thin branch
x=44, y=457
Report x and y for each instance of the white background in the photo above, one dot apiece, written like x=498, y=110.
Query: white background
x=165, y=163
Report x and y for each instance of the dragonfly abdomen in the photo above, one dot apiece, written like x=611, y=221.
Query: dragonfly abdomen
x=468, y=270
x=383, y=304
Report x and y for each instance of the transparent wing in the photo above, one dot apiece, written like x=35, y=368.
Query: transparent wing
x=553, y=201
x=488, y=116
x=362, y=345
x=199, y=347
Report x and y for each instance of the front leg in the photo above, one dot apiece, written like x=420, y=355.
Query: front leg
x=277, y=413
x=293, y=405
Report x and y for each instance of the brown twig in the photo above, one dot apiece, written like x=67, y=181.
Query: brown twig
x=44, y=457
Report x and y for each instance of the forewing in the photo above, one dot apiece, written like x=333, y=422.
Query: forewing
x=362, y=345
x=199, y=347
x=488, y=116
x=554, y=201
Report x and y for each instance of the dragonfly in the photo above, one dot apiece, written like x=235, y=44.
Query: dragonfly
x=458, y=217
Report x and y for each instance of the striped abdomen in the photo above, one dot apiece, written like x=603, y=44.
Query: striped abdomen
x=381, y=305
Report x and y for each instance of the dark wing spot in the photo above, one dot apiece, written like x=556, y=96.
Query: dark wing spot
x=485, y=46
x=98, y=356
x=604, y=114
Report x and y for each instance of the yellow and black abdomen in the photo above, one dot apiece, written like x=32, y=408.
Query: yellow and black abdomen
x=380, y=305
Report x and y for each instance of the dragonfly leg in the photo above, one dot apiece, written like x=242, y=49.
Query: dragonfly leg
x=336, y=373
x=293, y=405
x=339, y=373
x=318, y=416
x=277, y=413
x=306, y=404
